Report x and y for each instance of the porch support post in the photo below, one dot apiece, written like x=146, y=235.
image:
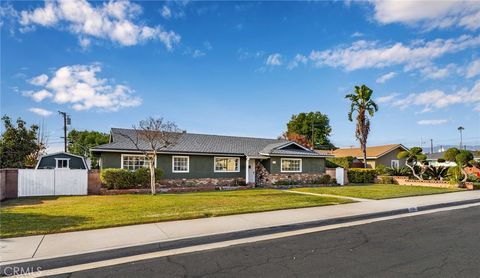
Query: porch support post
x=246, y=169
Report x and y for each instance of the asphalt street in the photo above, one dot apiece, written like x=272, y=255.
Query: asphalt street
x=443, y=244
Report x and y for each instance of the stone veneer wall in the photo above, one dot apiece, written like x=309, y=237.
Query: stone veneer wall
x=265, y=178
x=203, y=182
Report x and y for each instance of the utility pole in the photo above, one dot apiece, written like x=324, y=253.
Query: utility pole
x=431, y=145
x=66, y=120
x=460, y=129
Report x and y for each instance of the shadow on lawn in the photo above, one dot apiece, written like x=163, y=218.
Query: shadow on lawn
x=23, y=224
x=26, y=201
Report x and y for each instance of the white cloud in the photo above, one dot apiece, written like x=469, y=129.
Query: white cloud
x=473, y=69
x=432, y=122
x=39, y=80
x=433, y=72
x=198, y=53
x=386, y=99
x=38, y=95
x=369, y=54
x=274, y=60
x=429, y=14
x=299, y=59
x=166, y=12
x=79, y=86
x=112, y=21
x=357, y=34
x=385, y=77
x=438, y=99
x=40, y=111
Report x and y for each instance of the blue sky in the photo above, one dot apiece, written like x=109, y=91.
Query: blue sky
x=243, y=68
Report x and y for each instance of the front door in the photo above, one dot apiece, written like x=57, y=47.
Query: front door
x=251, y=171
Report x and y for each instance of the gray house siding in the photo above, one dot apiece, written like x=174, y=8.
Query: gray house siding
x=201, y=166
x=49, y=162
x=111, y=160
x=309, y=165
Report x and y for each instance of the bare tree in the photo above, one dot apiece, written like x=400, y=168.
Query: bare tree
x=151, y=136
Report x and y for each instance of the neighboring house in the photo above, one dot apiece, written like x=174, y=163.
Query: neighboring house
x=433, y=158
x=385, y=155
x=198, y=159
x=61, y=160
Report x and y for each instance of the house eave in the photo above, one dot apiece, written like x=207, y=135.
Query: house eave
x=165, y=152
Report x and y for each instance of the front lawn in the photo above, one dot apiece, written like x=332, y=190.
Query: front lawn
x=378, y=191
x=32, y=216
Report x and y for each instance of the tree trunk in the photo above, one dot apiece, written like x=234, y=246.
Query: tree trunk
x=151, y=163
x=364, y=152
x=413, y=169
x=465, y=176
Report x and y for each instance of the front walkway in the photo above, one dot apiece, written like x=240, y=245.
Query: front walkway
x=73, y=243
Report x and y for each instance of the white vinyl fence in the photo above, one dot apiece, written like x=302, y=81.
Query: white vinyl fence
x=51, y=182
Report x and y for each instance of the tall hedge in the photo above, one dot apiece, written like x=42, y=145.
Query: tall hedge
x=124, y=179
x=344, y=162
x=361, y=175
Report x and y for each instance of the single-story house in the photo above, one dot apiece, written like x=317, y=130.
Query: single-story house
x=62, y=160
x=376, y=155
x=432, y=159
x=215, y=159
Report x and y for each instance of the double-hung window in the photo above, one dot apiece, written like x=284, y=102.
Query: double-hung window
x=62, y=163
x=395, y=164
x=134, y=161
x=291, y=165
x=227, y=164
x=180, y=164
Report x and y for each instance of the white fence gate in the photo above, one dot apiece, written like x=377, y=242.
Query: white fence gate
x=51, y=182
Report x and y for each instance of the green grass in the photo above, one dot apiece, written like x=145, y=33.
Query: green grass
x=378, y=191
x=31, y=216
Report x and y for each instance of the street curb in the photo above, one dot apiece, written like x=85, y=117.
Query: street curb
x=52, y=263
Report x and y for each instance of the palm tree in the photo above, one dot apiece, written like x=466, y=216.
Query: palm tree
x=362, y=104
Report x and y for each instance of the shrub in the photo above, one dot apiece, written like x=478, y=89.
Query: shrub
x=344, y=162
x=325, y=179
x=476, y=185
x=381, y=169
x=386, y=180
x=117, y=178
x=124, y=179
x=142, y=176
x=402, y=171
x=361, y=175
x=454, y=174
x=285, y=182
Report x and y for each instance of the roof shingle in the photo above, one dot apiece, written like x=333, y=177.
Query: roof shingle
x=205, y=143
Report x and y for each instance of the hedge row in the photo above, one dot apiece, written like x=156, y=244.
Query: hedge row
x=125, y=179
x=344, y=162
x=361, y=175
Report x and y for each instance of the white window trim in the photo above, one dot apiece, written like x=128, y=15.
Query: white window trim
x=397, y=161
x=180, y=156
x=281, y=165
x=128, y=154
x=68, y=163
x=223, y=157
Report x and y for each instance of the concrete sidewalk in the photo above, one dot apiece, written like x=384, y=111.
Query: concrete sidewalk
x=74, y=243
